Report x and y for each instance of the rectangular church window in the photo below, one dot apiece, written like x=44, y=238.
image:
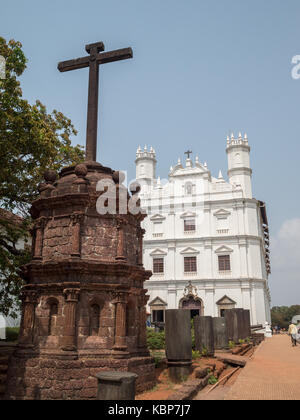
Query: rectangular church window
x=190, y=264
x=158, y=265
x=224, y=263
x=189, y=225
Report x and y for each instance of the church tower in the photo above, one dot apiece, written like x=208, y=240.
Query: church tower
x=239, y=170
x=145, y=165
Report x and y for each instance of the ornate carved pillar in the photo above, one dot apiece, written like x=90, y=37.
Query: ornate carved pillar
x=140, y=233
x=120, y=326
x=76, y=239
x=39, y=227
x=69, y=333
x=120, y=247
x=142, y=339
x=29, y=299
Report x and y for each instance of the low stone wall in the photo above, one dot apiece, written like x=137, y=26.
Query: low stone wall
x=6, y=351
x=54, y=379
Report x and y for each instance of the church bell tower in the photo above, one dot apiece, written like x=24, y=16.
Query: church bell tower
x=145, y=165
x=239, y=170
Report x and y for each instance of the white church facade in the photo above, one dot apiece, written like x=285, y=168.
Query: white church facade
x=206, y=239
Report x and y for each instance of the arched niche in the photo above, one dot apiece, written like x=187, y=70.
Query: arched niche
x=95, y=309
x=53, y=307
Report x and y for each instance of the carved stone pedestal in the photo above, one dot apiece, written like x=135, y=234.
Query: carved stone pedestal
x=84, y=301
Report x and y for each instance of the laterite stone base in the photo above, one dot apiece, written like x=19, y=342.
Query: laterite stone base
x=56, y=378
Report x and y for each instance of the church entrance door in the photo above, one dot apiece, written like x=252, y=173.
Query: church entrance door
x=193, y=305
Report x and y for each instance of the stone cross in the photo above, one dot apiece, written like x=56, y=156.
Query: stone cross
x=188, y=153
x=93, y=61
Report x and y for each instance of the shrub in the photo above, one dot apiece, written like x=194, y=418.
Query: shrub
x=196, y=354
x=231, y=344
x=212, y=380
x=12, y=334
x=155, y=340
x=204, y=352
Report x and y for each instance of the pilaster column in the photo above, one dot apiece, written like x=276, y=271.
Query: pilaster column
x=69, y=332
x=29, y=299
x=243, y=247
x=39, y=227
x=120, y=246
x=120, y=302
x=142, y=341
x=76, y=219
x=140, y=232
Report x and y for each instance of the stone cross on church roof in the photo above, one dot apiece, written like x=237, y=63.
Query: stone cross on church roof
x=93, y=61
x=188, y=153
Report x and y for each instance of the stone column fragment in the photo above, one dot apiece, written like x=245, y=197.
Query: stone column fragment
x=204, y=335
x=220, y=333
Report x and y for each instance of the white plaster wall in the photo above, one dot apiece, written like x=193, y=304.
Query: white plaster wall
x=245, y=284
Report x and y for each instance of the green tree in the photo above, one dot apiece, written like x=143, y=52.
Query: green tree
x=282, y=315
x=31, y=141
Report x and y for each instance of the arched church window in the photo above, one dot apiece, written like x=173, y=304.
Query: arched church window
x=188, y=188
x=94, y=320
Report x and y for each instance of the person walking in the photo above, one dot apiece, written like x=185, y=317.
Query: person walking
x=293, y=333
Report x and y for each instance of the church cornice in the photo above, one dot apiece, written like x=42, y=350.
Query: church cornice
x=206, y=204
x=208, y=282
x=203, y=239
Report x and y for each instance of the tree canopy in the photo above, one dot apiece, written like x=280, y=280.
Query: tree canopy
x=31, y=141
x=282, y=315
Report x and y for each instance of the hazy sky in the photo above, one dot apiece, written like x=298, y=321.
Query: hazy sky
x=201, y=69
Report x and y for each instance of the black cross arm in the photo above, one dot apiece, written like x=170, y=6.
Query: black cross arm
x=108, y=57
x=95, y=58
x=77, y=63
x=116, y=55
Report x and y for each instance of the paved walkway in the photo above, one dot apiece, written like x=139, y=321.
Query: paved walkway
x=272, y=374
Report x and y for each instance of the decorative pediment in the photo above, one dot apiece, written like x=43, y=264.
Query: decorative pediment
x=188, y=214
x=222, y=214
x=223, y=250
x=189, y=250
x=158, y=253
x=225, y=300
x=190, y=290
x=157, y=218
x=158, y=302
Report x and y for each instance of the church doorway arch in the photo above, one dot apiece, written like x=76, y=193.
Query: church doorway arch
x=191, y=301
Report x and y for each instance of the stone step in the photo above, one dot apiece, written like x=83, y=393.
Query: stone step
x=232, y=360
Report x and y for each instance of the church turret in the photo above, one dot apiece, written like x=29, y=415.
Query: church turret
x=239, y=170
x=145, y=164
